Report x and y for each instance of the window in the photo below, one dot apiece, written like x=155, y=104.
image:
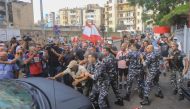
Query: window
x=121, y=8
x=128, y=14
x=138, y=13
x=110, y=8
x=17, y=94
x=110, y=15
x=120, y=1
x=121, y=22
x=120, y=15
x=110, y=22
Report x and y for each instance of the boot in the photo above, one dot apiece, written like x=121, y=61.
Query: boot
x=120, y=86
x=145, y=101
x=119, y=102
x=159, y=94
x=181, y=97
x=107, y=102
x=141, y=95
x=127, y=97
x=175, y=92
x=125, y=86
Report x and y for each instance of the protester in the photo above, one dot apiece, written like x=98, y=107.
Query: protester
x=91, y=68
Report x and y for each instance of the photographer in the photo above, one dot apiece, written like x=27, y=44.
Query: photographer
x=34, y=62
x=54, y=55
x=26, y=40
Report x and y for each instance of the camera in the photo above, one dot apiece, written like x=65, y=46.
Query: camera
x=49, y=46
x=27, y=38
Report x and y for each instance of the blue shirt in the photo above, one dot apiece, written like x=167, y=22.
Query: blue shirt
x=7, y=70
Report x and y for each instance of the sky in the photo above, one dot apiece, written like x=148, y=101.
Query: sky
x=55, y=5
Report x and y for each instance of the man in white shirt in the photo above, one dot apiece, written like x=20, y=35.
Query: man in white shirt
x=77, y=72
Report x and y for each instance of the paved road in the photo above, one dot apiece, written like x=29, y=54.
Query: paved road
x=169, y=102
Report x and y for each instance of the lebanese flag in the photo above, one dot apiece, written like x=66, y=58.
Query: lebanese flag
x=91, y=33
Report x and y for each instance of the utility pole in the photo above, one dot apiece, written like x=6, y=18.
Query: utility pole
x=42, y=19
x=41, y=10
x=7, y=13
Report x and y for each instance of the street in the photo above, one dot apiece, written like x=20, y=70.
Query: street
x=169, y=102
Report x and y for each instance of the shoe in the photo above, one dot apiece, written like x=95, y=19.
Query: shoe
x=107, y=102
x=175, y=92
x=119, y=102
x=127, y=97
x=159, y=94
x=120, y=86
x=164, y=74
x=141, y=95
x=145, y=101
x=181, y=97
x=125, y=86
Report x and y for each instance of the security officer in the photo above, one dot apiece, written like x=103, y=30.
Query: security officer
x=152, y=63
x=100, y=86
x=176, y=65
x=111, y=64
x=135, y=71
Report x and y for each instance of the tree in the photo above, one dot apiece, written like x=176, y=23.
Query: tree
x=160, y=8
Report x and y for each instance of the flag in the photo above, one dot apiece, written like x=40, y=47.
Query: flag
x=91, y=33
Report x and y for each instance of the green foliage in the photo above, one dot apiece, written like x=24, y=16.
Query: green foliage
x=161, y=9
x=175, y=14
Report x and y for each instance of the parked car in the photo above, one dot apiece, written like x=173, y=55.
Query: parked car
x=40, y=93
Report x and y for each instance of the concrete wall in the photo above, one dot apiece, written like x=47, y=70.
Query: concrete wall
x=22, y=14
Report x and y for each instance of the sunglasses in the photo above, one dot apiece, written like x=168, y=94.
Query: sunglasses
x=19, y=53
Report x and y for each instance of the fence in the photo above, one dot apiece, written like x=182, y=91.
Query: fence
x=183, y=36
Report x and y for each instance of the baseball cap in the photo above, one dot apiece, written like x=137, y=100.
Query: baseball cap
x=72, y=64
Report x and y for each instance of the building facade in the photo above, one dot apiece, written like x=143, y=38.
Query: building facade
x=138, y=17
x=50, y=19
x=93, y=12
x=19, y=14
x=22, y=14
x=71, y=17
x=110, y=11
x=126, y=16
x=120, y=15
x=2, y=13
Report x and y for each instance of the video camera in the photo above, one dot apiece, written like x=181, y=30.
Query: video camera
x=27, y=38
x=49, y=46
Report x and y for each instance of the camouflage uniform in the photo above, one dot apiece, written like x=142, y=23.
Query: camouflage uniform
x=152, y=62
x=89, y=83
x=135, y=70
x=176, y=66
x=100, y=86
x=111, y=64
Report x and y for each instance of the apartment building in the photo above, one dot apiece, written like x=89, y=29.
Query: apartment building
x=94, y=13
x=120, y=15
x=20, y=14
x=71, y=17
x=110, y=11
x=126, y=16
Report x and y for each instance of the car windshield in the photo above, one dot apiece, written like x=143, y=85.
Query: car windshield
x=14, y=95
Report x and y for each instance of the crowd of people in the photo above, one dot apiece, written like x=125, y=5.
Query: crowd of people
x=92, y=68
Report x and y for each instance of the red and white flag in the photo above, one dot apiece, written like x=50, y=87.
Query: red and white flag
x=91, y=33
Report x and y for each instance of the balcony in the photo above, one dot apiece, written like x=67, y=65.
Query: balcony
x=121, y=2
